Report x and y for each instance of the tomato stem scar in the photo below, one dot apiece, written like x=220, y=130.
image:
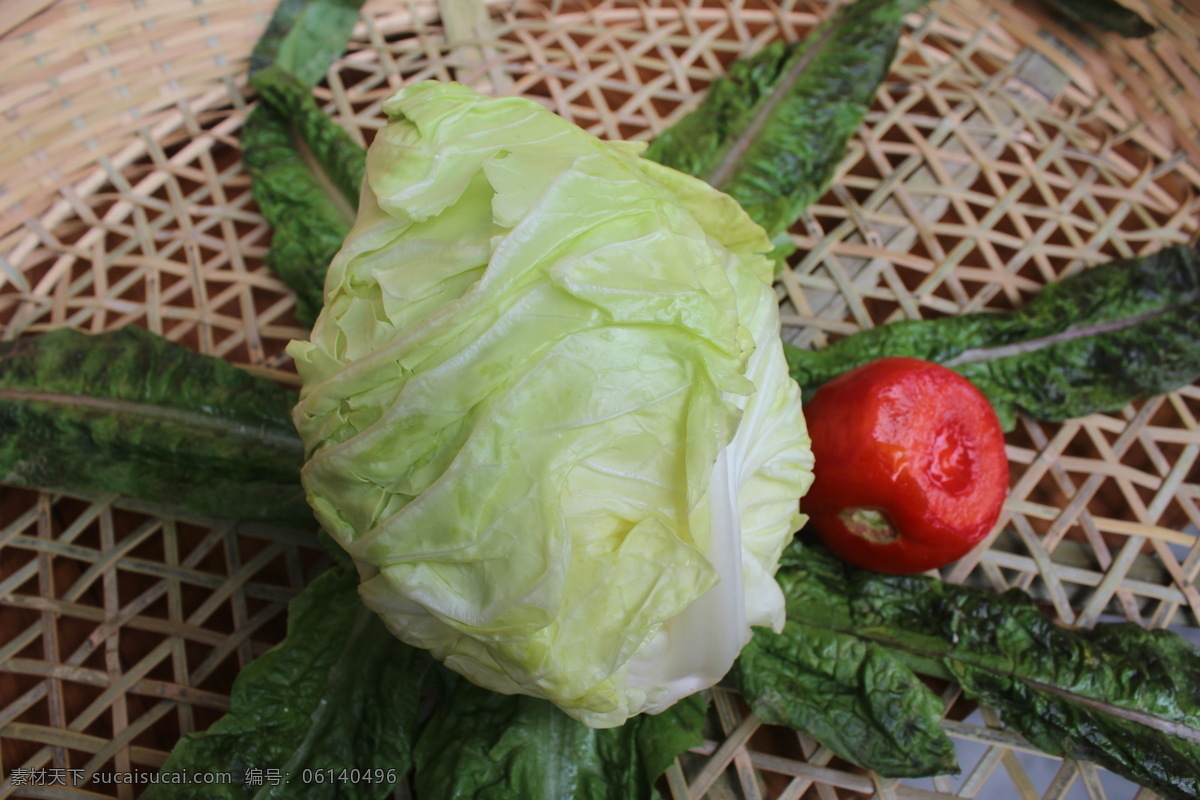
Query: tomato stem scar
x=872, y=524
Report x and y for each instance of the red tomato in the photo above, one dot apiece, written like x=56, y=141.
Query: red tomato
x=910, y=468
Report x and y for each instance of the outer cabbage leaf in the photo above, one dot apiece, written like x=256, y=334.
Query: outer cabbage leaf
x=546, y=409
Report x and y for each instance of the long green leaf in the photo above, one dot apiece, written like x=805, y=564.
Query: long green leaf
x=305, y=173
x=133, y=413
x=305, y=170
x=1091, y=342
x=772, y=132
x=850, y=694
x=329, y=713
x=1119, y=695
x=487, y=746
x=1108, y=15
x=305, y=37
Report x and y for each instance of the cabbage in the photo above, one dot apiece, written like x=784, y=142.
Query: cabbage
x=546, y=409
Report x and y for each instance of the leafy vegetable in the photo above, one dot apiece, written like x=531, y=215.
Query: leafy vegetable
x=488, y=746
x=304, y=37
x=1091, y=342
x=773, y=131
x=305, y=174
x=339, y=696
x=333, y=712
x=1107, y=15
x=133, y=413
x=543, y=362
x=851, y=695
x=1119, y=695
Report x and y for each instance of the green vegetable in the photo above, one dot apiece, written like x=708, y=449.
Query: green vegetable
x=305, y=37
x=333, y=712
x=133, y=413
x=1091, y=342
x=488, y=746
x=305, y=173
x=772, y=132
x=851, y=695
x=339, y=694
x=544, y=362
x=1119, y=695
x=1107, y=15
x=305, y=170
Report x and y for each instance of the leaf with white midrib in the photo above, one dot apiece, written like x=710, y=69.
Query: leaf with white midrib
x=145, y=412
x=735, y=151
x=1117, y=694
x=772, y=132
x=132, y=413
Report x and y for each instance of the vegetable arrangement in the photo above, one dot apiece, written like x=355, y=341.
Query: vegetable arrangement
x=845, y=665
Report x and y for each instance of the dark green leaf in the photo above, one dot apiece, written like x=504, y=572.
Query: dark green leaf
x=851, y=695
x=305, y=37
x=305, y=170
x=1068, y=723
x=488, y=746
x=1108, y=15
x=1091, y=342
x=305, y=173
x=772, y=132
x=336, y=702
x=1124, y=697
x=133, y=413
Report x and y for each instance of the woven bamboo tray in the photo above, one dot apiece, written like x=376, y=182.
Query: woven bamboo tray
x=1006, y=149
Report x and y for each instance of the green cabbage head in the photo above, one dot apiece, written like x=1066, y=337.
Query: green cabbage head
x=546, y=408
